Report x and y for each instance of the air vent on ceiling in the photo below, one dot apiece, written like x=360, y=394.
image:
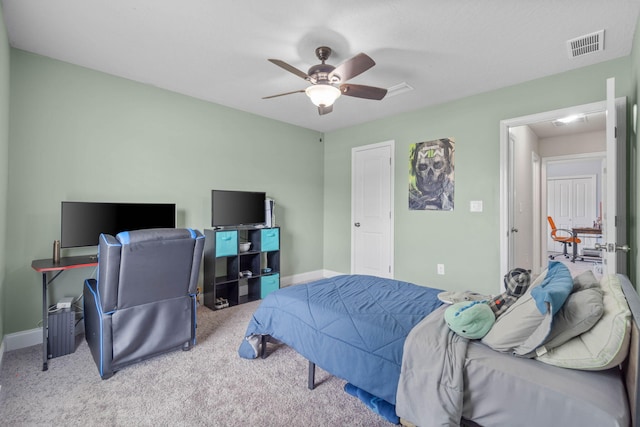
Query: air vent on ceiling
x=586, y=44
x=398, y=89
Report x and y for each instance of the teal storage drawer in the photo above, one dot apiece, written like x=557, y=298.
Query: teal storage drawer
x=269, y=284
x=270, y=239
x=226, y=243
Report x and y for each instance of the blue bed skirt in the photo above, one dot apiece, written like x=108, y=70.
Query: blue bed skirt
x=352, y=326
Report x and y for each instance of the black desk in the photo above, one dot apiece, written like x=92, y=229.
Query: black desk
x=46, y=266
x=583, y=230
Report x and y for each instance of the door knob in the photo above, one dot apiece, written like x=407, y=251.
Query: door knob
x=612, y=247
x=357, y=224
x=514, y=230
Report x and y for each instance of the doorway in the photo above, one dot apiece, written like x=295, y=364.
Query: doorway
x=515, y=134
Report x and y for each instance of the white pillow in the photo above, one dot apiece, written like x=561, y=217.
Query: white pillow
x=525, y=326
x=603, y=346
x=522, y=328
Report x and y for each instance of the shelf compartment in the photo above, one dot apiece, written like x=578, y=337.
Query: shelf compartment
x=226, y=243
x=268, y=284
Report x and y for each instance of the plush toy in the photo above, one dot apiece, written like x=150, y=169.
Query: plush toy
x=516, y=283
x=470, y=319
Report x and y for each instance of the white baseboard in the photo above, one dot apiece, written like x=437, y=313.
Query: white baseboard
x=23, y=339
x=307, y=277
x=300, y=278
x=329, y=273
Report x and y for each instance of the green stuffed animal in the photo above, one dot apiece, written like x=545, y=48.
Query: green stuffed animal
x=470, y=319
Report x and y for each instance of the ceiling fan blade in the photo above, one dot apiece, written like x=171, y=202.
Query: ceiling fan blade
x=352, y=67
x=362, y=91
x=322, y=110
x=290, y=68
x=282, y=94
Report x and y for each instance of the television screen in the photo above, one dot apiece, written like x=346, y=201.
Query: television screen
x=236, y=208
x=82, y=222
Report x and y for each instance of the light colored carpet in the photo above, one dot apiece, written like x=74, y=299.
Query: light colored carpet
x=209, y=385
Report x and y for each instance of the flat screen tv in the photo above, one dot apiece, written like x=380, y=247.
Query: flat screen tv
x=82, y=222
x=237, y=208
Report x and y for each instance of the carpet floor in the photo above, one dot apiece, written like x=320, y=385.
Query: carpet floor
x=209, y=385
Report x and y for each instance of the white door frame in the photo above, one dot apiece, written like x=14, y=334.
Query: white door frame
x=391, y=145
x=536, y=171
x=505, y=125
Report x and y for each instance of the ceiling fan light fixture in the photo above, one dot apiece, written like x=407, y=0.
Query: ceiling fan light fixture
x=323, y=94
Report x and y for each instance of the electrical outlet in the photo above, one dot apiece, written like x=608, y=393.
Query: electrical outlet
x=441, y=269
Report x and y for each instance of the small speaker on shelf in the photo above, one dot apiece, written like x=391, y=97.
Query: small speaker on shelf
x=56, y=251
x=269, y=212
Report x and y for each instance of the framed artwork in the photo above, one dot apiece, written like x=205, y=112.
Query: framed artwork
x=431, y=175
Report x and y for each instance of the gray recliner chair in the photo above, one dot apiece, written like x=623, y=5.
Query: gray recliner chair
x=143, y=302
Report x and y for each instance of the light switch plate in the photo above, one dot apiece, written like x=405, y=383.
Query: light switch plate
x=475, y=206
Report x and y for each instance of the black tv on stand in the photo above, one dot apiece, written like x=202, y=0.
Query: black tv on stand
x=237, y=208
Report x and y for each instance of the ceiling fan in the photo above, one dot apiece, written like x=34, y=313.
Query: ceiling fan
x=329, y=82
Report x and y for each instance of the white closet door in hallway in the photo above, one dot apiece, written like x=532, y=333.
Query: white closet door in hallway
x=571, y=202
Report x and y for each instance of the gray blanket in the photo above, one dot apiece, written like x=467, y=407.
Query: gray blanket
x=430, y=390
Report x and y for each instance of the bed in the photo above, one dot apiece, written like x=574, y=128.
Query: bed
x=361, y=319
x=353, y=326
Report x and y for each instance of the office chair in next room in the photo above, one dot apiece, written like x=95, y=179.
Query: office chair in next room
x=564, y=236
x=143, y=302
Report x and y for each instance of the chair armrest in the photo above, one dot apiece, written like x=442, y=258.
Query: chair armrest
x=570, y=233
x=197, y=258
x=109, y=251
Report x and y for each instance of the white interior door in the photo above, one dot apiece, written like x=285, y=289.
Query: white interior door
x=372, y=213
x=571, y=202
x=613, y=206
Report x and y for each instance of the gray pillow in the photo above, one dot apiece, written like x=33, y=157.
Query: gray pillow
x=521, y=329
x=585, y=280
x=579, y=313
x=606, y=344
x=524, y=326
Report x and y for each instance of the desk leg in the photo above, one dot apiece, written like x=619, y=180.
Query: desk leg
x=575, y=252
x=45, y=321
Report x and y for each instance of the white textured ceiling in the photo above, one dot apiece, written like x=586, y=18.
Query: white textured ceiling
x=217, y=50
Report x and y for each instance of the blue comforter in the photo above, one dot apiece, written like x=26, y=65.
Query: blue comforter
x=352, y=326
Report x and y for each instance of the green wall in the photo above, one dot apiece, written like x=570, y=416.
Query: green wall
x=466, y=243
x=4, y=159
x=77, y=134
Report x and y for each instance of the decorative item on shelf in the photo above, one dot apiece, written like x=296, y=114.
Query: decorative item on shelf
x=246, y=273
x=245, y=246
x=221, y=303
x=269, y=213
x=56, y=251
